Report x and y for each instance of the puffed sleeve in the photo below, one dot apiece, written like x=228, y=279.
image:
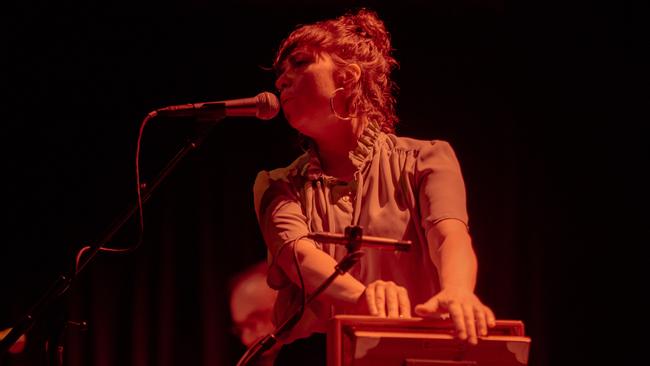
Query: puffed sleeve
x=280, y=218
x=440, y=185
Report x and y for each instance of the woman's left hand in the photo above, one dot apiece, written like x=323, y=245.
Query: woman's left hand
x=471, y=318
x=385, y=299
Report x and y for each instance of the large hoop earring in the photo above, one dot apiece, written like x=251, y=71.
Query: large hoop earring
x=349, y=117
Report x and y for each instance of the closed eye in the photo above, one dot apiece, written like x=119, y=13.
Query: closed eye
x=300, y=59
x=299, y=62
x=295, y=62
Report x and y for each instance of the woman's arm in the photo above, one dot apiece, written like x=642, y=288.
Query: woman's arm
x=450, y=246
x=379, y=298
x=316, y=266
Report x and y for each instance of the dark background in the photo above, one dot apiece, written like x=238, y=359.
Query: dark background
x=540, y=101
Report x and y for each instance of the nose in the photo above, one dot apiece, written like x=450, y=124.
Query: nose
x=249, y=336
x=246, y=338
x=283, y=81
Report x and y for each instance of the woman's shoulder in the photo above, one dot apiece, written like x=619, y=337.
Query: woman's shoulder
x=282, y=178
x=283, y=174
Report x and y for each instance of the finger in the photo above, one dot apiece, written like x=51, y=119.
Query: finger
x=458, y=318
x=392, y=302
x=470, y=324
x=491, y=319
x=370, y=299
x=481, y=322
x=404, y=302
x=380, y=300
x=428, y=307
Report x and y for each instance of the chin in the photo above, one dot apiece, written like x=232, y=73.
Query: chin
x=298, y=124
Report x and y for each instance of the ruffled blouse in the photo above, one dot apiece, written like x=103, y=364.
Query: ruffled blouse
x=401, y=188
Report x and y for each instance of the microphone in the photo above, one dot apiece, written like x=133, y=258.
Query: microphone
x=365, y=240
x=264, y=106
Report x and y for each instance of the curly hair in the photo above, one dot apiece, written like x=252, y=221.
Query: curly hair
x=357, y=37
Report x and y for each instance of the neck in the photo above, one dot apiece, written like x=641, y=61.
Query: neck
x=335, y=161
x=334, y=149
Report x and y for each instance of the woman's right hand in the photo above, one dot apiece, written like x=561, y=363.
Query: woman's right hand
x=385, y=299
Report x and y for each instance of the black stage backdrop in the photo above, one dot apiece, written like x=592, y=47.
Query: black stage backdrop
x=538, y=99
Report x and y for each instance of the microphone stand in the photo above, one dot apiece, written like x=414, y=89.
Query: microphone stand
x=354, y=235
x=64, y=281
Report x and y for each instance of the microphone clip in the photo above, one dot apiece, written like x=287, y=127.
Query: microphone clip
x=354, y=237
x=354, y=234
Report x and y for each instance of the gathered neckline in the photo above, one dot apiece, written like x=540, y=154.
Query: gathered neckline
x=312, y=170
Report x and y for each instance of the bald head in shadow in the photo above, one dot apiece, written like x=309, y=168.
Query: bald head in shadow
x=251, y=304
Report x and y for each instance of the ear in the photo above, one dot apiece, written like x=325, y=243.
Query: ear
x=349, y=74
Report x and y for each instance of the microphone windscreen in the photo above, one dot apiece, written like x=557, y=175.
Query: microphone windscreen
x=268, y=105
